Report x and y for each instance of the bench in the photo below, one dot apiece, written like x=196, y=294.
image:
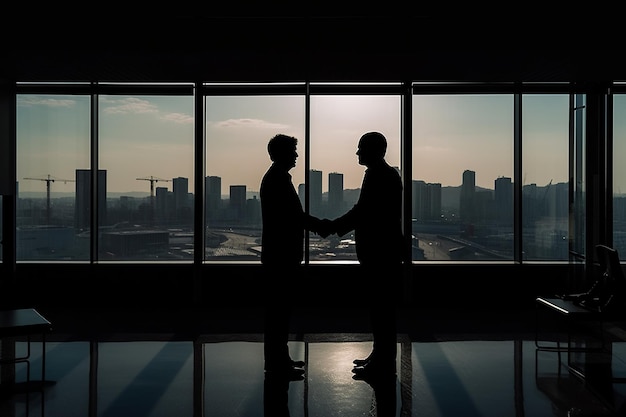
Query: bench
x=575, y=317
x=24, y=322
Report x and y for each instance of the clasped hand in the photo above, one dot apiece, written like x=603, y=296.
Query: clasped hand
x=325, y=228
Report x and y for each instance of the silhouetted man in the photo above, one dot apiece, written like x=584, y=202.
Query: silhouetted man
x=282, y=253
x=376, y=219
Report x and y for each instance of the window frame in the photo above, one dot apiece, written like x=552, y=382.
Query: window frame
x=404, y=89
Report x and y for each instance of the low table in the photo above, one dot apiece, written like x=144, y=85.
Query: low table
x=25, y=322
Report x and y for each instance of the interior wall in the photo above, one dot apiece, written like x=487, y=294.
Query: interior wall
x=477, y=286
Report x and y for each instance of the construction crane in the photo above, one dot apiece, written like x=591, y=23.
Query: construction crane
x=48, y=179
x=152, y=204
x=545, y=194
x=152, y=181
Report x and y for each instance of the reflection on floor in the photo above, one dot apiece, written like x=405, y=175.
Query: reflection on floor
x=221, y=374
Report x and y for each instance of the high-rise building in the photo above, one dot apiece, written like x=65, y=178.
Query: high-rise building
x=213, y=196
x=162, y=207
x=335, y=194
x=503, y=196
x=302, y=194
x=435, y=200
x=180, y=188
x=426, y=201
x=420, y=200
x=83, y=204
x=315, y=192
x=253, y=211
x=182, y=202
x=237, y=202
x=468, y=193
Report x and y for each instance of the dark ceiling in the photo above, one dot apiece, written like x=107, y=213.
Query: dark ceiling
x=238, y=46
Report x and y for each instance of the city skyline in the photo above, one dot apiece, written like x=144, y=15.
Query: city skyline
x=162, y=221
x=153, y=136
x=252, y=192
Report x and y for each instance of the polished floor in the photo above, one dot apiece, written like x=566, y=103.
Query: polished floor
x=450, y=364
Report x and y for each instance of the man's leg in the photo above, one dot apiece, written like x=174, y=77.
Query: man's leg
x=276, y=338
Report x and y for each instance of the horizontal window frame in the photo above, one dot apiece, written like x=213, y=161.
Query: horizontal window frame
x=183, y=89
x=419, y=88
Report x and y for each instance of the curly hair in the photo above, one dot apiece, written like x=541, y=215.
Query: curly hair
x=280, y=144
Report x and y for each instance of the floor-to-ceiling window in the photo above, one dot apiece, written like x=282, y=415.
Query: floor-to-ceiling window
x=337, y=123
x=53, y=146
x=462, y=177
x=545, y=177
x=1, y=234
x=619, y=172
x=462, y=186
x=327, y=175
x=238, y=129
x=146, y=165
x=578, y=174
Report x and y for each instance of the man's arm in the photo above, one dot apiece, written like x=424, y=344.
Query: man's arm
x=346, y=222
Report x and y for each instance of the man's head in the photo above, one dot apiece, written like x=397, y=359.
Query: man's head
x=372, y=147
x=282, y=150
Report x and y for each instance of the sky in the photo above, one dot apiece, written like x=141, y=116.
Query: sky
x=619, y=143
x=152, y=136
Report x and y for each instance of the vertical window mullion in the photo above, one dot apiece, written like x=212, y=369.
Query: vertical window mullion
x=517, y=179
x=93, y=198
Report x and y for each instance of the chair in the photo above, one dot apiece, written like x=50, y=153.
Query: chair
x=610, y=297
x=605, y=299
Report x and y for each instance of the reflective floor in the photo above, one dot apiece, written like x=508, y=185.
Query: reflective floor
x=459, y=371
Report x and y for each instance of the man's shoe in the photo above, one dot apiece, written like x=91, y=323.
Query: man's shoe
x=297, y=364
x=374, y=369
x=285, y=373
x=378, y=381
x=289, y=363
x=361, y=362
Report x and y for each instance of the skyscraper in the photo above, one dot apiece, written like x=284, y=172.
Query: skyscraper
x=180, y=187
x=335, y=194
x=315, y=192
x=426, y=201
x=182, y=203
x=468, y=193
x=213, y=195
x=161, y=204
x=302, y=194
x=503, y=196
x=237, y=205
x=83, y=205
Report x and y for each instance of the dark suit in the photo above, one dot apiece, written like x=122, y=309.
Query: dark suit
x=376, y=219
x=282, y=242
x=284, y=220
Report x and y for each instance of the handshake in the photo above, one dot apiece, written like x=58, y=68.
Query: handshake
x=324, y=227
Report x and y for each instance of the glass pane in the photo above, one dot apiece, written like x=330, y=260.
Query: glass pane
x=545, y=177
x=53, y=134
x=1, y=235
x=146, y=161
x=579, y=210
x=145, y=378
x=337, y=124
x=462, y=177
x=68, y=370
x=238, y=130
x=619, y=173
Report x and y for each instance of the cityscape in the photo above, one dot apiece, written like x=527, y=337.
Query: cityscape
x=448, y=223
x=454, y=215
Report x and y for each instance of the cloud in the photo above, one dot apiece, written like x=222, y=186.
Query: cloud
x=178, y=118
x=129, y=105
x=48, y=102
x=249, y=123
